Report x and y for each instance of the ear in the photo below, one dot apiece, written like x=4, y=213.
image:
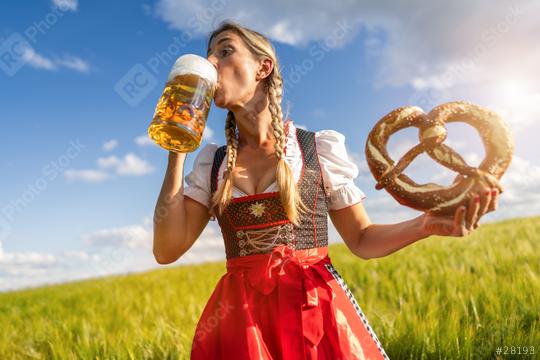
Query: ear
x=265, y=68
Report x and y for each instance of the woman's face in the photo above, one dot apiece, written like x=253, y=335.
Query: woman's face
x=238, y=70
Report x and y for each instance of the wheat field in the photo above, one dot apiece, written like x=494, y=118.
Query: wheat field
x=441, y=298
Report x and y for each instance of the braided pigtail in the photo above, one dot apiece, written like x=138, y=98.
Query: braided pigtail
x=288, y=189
x=223, y=195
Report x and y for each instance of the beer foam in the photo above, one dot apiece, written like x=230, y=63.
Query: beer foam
x=194, y=64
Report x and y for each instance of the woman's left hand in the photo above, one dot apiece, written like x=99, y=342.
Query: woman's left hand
x=465, y=219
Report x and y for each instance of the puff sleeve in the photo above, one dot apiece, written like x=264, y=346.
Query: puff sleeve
x=338, y=170
x=198, y=180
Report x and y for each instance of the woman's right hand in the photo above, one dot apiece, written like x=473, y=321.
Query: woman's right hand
x=465, y=219
x=178, y=220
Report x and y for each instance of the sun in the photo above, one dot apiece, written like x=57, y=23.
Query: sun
x=512, y=90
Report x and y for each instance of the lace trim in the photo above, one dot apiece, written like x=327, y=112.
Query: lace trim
x=262, y=240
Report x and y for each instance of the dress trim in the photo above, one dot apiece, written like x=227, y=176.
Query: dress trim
x=352, y=299
x=260, y=226
x=300, y=181
x=255, y=197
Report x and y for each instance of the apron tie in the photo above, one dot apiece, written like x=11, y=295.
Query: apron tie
x=287, y=271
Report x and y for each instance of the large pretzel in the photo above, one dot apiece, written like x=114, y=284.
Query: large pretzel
x=437, y=199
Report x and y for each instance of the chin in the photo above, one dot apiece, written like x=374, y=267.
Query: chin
x=220, y=102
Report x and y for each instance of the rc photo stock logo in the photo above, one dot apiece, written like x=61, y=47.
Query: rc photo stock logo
x=140, y=80
x=5, y=229
x=12, y=53
x=16, y=50
x=135, y=85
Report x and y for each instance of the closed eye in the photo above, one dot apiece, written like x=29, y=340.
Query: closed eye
x=226, y=50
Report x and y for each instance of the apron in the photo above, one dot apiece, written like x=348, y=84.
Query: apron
x=281, y=297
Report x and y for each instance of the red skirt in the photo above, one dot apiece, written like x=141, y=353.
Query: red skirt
x=287, y=304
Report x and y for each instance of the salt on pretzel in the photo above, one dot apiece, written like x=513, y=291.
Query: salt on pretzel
x=431, y=197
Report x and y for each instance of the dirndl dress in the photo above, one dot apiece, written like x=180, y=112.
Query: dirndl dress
x=281, y=297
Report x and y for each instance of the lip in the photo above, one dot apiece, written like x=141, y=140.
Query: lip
x=216, y=90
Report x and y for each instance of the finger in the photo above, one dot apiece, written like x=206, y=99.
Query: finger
x=485, y=201
x=463, y=227
x=494, y=200
x=476, y=223
x=459, y=220
x=459, y=216
x=474, y=206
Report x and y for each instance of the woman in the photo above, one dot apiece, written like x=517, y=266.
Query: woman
x=271, y=188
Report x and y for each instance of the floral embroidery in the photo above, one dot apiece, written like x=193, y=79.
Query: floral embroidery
x=257, y=209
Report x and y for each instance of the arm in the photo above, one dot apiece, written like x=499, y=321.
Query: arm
x=178, y=220
x=368, y=240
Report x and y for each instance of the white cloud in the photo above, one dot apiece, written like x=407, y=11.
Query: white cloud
x=131, y=164
x=425, y=50
x=38, y=61
x=286, y=32
x=66, y=5
x=80, y=255
x=294, y=23
x=27, y=258
x=136, y=241
x=116, y=250
x=134, y=236
x=108, y=162
x=472, y=158
x=110, y=145
x=74, y=63
x=109, y=251
x=29, y=269
x=88, y=175
x=521, y=185
x=13, y=265
x=110, y=167
x=520, y=112
x=470, y=55
x=144, y=140
x=487, y=58
x=400, y=25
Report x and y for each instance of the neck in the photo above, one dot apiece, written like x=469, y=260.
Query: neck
x=254, y=123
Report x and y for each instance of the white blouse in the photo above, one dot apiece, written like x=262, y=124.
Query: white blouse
x=337, y=169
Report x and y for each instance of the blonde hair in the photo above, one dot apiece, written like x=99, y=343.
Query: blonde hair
x=290, y=197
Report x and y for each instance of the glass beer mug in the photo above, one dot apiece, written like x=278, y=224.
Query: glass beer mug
x=182, y=110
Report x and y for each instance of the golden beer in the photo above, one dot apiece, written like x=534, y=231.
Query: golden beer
x=182, y=110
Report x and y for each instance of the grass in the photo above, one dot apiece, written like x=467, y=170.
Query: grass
x=441, y=298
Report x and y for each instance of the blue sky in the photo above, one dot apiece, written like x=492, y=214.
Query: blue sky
x=81, y=178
